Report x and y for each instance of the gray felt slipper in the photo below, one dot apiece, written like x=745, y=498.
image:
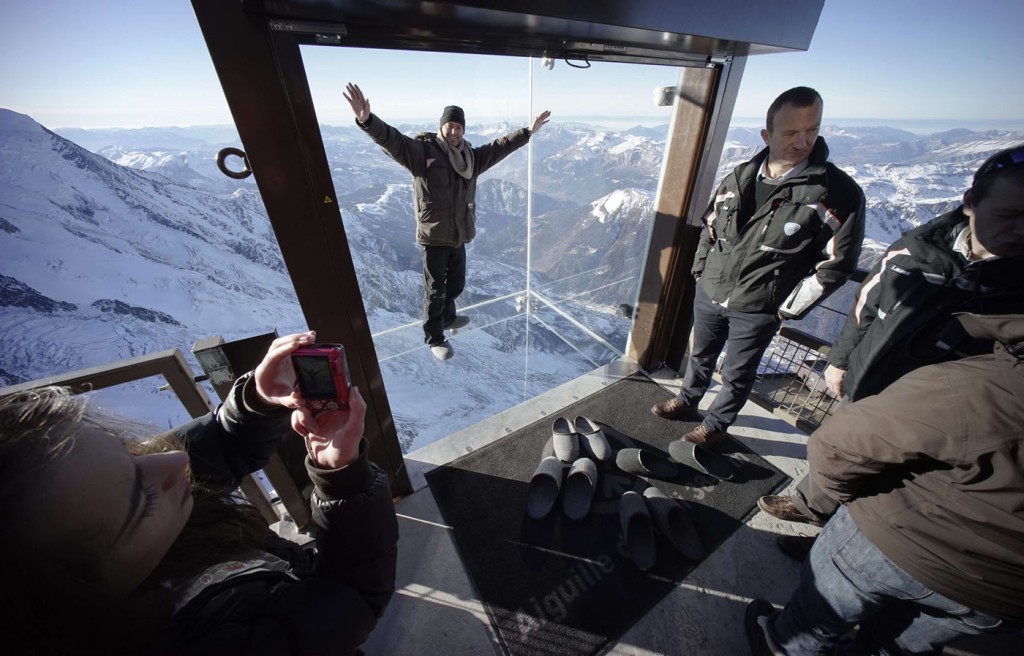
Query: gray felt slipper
x=642, y=462
x=565, y=440
x=713, y=463
x=578, y=491
x=592, y=439
x=638, y=530
x=703, y=459
x=544, y=485
x=673, y=520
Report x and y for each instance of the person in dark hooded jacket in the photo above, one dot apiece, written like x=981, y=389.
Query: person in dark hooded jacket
x=123, y=545
x=968, y=260
x=445, y=168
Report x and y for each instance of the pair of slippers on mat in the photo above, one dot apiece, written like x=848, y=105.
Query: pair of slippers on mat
x=577, y=491
x=642, y=462
x=641, y=514
x=568, y=438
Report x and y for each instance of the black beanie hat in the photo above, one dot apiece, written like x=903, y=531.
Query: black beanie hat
x=453, y=114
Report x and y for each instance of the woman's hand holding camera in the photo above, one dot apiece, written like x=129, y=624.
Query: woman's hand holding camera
x=275, y=375
x=332, y=437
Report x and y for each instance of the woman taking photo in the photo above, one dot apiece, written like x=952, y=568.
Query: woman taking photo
x=120, y=545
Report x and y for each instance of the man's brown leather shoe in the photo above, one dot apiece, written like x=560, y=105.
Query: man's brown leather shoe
x=783, y=507
x=674, y=409
x=704, y=436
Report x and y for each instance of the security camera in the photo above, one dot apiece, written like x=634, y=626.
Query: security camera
x=664, y=96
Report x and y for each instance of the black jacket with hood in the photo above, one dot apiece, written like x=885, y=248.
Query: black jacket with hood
x=798, y=247
x=902, y=317
x=285, y=602
x=932, y=470
x=445, y=201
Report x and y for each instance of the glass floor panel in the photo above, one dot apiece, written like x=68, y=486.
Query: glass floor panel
x=502, y=359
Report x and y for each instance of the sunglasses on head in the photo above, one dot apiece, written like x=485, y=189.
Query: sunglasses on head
x=1004, y=161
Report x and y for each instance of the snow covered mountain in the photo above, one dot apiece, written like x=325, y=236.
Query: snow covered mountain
x=99, y=262
x=149, y=247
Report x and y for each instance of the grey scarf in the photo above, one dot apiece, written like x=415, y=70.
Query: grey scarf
x=461, y=158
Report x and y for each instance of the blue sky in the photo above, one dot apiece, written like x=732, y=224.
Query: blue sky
x=133, y=63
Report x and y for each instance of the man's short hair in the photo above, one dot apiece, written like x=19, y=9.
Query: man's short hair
x=797, y=97
x=1007, y=163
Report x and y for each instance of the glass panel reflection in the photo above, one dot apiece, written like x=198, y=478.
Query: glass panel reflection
x=601, y=174
x=562, y=224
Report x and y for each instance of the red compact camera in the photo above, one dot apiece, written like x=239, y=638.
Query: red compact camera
x=321, y=373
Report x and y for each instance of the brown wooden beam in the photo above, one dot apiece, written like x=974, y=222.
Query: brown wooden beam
x=666, y=288
x=703, y=108
x=267, y=92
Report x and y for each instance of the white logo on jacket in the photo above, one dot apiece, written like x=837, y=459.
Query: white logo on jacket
x=791, y=228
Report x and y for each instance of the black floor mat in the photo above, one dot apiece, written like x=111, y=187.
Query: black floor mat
x=560, y=587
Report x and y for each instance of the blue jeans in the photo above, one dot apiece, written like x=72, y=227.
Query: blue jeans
x=847, y=581
x=745, y=336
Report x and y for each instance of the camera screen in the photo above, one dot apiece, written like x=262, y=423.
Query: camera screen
x=314, y=375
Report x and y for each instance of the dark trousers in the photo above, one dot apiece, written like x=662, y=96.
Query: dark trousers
x=744, y=336
x=444, y=278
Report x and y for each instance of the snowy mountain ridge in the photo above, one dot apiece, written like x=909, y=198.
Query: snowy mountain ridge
x=149, y=247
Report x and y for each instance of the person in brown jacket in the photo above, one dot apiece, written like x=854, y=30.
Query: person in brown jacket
x=444, y=168
x=968, y=260
x=928, y=546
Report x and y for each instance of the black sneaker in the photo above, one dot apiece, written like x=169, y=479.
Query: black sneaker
x=795, y=546
x=756, y=637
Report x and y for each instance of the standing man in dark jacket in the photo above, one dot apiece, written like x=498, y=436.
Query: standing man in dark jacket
x=929, y=546
x=444, y=168
x=782, y=233
x=969, y=260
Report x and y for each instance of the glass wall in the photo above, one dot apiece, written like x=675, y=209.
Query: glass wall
x=132, y=243
x=596, y=176
x=562, y=224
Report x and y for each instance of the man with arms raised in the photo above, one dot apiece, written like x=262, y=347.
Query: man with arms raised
x=444, y=168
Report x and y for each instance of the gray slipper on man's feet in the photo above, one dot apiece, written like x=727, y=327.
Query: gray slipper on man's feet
x=638, y=530
x=642, y=462
x=442, y=351
x=674, y=521
x=565, y=440
x=592, y=439
x=578, y=491
x=544, y=485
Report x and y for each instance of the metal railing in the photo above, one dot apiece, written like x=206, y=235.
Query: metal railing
x=790, y=381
